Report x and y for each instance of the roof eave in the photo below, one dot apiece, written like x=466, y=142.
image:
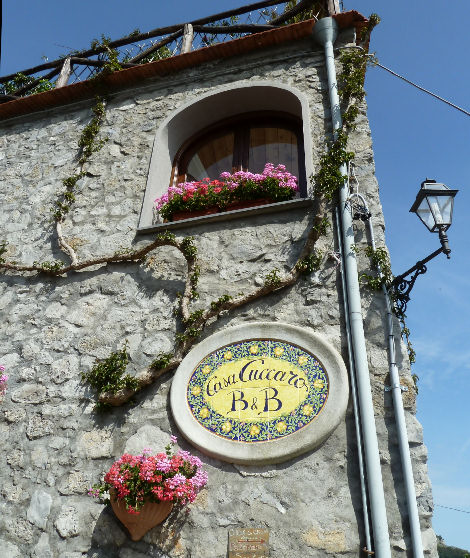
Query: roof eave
x=131, y=76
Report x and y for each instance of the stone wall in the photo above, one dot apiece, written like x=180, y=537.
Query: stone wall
x=54, y=446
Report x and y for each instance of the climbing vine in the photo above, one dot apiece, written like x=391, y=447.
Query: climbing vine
x=108, y=377
x=384, y=277
x=21, y=80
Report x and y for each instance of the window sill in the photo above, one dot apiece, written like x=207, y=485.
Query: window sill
x=228, y=215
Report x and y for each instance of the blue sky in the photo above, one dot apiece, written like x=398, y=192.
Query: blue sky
x=414, y=137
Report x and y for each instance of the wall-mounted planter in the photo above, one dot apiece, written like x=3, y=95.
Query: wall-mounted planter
x=150, y=515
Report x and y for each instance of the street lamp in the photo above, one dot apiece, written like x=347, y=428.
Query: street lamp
x=433, y=205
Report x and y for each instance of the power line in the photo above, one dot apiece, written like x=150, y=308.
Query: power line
x=425, y=91
x=449, y=508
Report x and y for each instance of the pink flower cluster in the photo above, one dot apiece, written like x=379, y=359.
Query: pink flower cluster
x=3, y=381
x=274, y=183
x=286, y=179
x=188, y=190
x=162, y=477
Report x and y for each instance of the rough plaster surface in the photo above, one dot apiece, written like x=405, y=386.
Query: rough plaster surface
x=54, y=446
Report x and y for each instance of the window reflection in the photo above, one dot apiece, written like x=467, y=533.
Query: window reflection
x=212, y=158
x=273, y=145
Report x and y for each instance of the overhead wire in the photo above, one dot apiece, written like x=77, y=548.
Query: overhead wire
x=449, y=508
x=395, y=74
x=438, y=97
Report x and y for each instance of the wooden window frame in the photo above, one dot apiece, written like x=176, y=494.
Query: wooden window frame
x=241, y=125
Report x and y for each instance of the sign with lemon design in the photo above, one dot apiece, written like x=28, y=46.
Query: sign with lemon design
x=259, y=392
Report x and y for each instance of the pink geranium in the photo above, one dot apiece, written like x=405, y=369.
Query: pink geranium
x=275, y=183
x=135, y=479
x=3, y=381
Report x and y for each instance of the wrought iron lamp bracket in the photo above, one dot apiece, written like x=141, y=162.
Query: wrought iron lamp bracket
x=401, y=287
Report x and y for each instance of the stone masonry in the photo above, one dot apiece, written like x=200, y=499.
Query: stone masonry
x=54, y=446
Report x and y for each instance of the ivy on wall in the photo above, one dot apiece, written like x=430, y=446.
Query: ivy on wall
x=108, y=377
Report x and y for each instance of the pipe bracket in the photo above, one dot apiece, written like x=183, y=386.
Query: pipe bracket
x=389, y=388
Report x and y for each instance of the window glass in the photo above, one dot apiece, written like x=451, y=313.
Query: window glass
x=273, y=145
x=212, y=158
x=247, y=143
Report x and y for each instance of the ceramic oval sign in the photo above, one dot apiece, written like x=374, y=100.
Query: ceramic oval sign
x=260, y=392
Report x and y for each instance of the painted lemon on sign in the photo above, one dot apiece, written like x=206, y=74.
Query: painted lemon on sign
x=256, y=389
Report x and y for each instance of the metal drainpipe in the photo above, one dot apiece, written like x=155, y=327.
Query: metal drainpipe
x=325, y=32
x=404, y=447
x=357, y=418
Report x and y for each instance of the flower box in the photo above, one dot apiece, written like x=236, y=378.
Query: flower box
x=246, y=204
x=232, y=191
x=180, y=215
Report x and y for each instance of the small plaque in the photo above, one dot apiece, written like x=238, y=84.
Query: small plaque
x=248, y=543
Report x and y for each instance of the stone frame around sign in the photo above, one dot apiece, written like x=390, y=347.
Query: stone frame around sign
x=271, y=451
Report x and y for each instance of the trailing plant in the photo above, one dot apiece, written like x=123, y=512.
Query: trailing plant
x=159, y=54
x=405, y=334
x=381, y=261
x=306, y=13
x=272, y=279
x=321, y=226
x=218, y=304
x=162, y=360
x=329, y=177
x=310, y=263
x=109, y=374
x=3, y=250
x=351, y=82
x=373, y=21
x=54, y=266
x=194, y=317
x=112, y=63
x=188, y=247
x=88, y=144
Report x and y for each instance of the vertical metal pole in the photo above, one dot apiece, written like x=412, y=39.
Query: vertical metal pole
x=357, y=421
x=325, y=32
x=402, y=434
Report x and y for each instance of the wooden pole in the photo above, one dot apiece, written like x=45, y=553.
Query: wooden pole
x=333, y=7
x=65, y=72
x=188, y=34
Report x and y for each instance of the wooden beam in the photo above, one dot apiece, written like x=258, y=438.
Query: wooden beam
x=97, y=63
x=302, y=5
x=241, y=28
x=156, y=46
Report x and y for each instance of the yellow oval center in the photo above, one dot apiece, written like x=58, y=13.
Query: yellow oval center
x=256, y=389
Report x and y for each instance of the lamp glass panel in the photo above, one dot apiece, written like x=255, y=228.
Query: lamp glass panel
x=445, y=208
x=425, y=214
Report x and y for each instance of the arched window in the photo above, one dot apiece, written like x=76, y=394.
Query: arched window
x=245, y=142
x=235, y=126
